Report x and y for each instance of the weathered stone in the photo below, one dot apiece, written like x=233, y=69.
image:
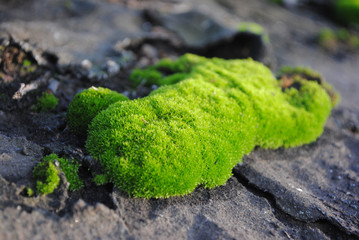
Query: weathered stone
x=227, y=212
x=17, y=158
x=314, y=182
x=86, y=222
x=13, y=195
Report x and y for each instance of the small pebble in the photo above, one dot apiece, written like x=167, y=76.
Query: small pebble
x=112, y=67
x=87, y=64
x=149, y=51
x=54, y=85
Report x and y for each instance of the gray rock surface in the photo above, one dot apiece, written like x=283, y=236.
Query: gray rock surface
x=85, y=222
x=81, y=30
x=315, y=182
x=228, y=212
x=17, y=158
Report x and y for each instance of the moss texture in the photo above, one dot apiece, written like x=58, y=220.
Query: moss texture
x=100, y=179
x=47, y=177
x=87, y=105
x=46, y=102
x=290, y=76
x=194, y=130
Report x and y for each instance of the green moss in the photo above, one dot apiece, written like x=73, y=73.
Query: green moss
x=347, y=10
x=254, y=28
x=165, y=71
x=46, y=102
x=29, y=192
x=195, y=131
x=87, y=104
x=290, y=75
x=100, y=179
x=46, y=174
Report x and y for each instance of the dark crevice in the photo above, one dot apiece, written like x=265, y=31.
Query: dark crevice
x=242, y=45
x=10, y=204
x=328, y=228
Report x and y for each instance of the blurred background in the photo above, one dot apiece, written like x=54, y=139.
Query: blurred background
x=321, y=34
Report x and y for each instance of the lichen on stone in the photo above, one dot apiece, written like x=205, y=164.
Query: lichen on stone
x=194, y=129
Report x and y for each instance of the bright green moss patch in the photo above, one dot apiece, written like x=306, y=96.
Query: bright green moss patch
x=46, y=102
x=87, y=104
x=206, y=116
x=47, y=177
x=29, y=192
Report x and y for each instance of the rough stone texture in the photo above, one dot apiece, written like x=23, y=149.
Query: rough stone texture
x=85, y=222
x=227, y=212
x=17, y=158
x=12, y=195
x=85, y=30
x=315, y=182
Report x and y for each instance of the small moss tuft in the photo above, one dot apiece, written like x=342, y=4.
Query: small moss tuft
x=87, y=104
x=29, y=192
x=46, y=102
x=45, y=173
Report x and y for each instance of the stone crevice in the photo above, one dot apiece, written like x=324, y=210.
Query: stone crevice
x=326, y=226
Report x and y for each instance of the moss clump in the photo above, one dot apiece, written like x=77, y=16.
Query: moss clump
x=165, y=72
x=87, y=104
x=47, y=177
x=292, y=76
x=197, y=128
x=347, y=10
x=46, y=102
